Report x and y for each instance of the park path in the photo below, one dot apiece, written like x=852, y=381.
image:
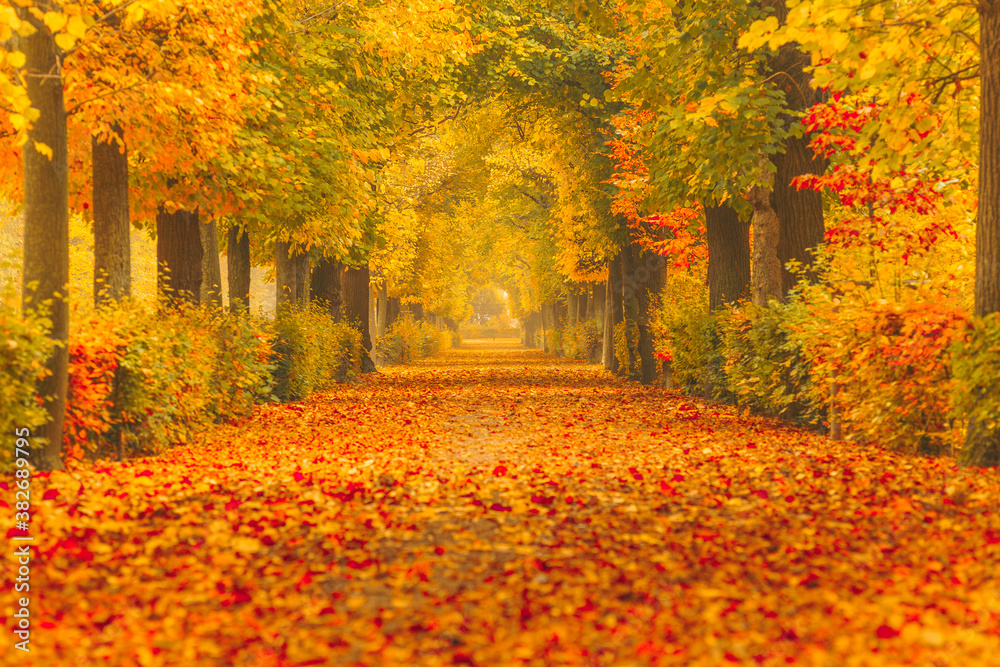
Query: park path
x=495, y=506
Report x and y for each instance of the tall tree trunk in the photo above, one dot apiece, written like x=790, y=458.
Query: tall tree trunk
x=982, y=444
x=581, y=309
x=648, y=281
x=392, y=312
x=728, y=256
x=238, y=264
x=302, y=278
x=613, y=312
x=211, y=270
x=325, y=285
x=597, y=299
x=800, y=212
x=383, y=310
x=630, y=312
x=560, y=312
x=286, y=281
x=766, y=278
x=112, y=245
x=178, y=256
x=573, y=306
x=46, y=226
x=354, y=283
x=372, y=317
x=548, y=324
x=530, y=329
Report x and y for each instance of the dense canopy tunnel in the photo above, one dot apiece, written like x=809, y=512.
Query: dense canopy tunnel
x=489, y=332
x=608, y=165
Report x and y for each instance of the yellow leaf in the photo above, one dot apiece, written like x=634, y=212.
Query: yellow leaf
x=43, y=149
x=55, y=21
x=65, y=41
x=15, y=59
x=76, y=27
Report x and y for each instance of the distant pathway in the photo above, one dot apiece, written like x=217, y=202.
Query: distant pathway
x=498, y=507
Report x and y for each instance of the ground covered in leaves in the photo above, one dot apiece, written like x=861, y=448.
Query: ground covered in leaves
x=497, y=507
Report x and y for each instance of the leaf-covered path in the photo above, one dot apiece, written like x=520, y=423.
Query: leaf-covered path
x=497, y=507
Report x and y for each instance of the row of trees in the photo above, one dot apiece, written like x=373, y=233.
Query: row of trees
x=415, y=152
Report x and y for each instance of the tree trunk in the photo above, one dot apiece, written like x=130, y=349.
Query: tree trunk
x=238, y=263
x=392, y=312
x=581, y=309
x=573, y=307
x=648, y=280
x=597, y=299
x=560, y=312
x=613, y=312
x=211, y=271
x=286, y=281
x=178, y=256
x=354, y=283
x=630, y=312
x=46, y=227
x=302, y=278
x=372, y=317
x=766, y=279
x=112, y=246
x=728, y=256
x=530, y=329
x=417, y=309
x=548, y=324
x=325, y=285
x=982, y=444
x=383, y=310
x=800, y=212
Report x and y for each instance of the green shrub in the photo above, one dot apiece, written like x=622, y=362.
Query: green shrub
x=697, y=363
x=555, y=338
x=407, y=341
x=140, y=380
x=976, y=369
x=766, y=370
x=24, y=348
x=312, y=352
x=583, y=341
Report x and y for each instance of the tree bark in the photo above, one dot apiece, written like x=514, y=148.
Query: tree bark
x=286, y=282
x=302, y=278
x=392, y=312
x=238, y=264
x=728, y=256
x=613, y=312
x=650, y=282
x=211, y=270
x=354, y=283
x=372, y=317
x=982, y=444
x=800, y=212
x=597, y=301
x=383, y=310
x=987, y=298
x=573, y=307
x=178, y=256
x=325, y=285
x=766, y=278
x=581, y=309
x=112, y=245
x=46, y=227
